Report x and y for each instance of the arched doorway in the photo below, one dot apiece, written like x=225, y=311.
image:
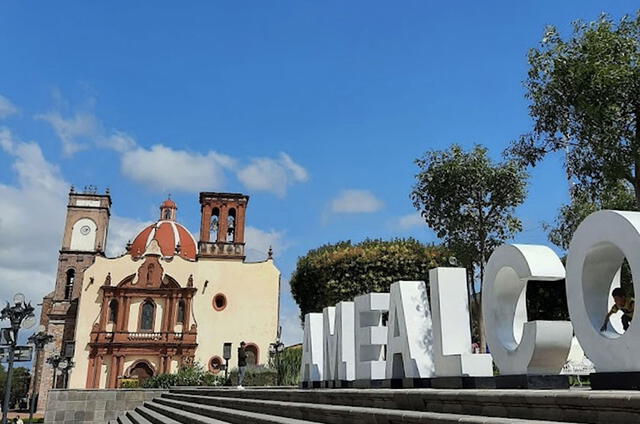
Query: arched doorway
x=142, y=370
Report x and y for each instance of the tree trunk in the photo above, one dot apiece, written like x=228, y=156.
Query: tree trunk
x=636, y=170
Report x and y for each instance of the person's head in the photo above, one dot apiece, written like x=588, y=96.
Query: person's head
x=619, y=296
x=242, y=344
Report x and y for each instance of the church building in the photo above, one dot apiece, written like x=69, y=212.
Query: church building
x=169, y=300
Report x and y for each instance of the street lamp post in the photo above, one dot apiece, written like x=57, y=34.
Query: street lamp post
x=19, y=315
x=275, y=349
x=57, y=362
x=39, y=340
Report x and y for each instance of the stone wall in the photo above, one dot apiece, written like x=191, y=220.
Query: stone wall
x=76, y=406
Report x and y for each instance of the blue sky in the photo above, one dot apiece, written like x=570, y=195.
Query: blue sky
x=315, y=109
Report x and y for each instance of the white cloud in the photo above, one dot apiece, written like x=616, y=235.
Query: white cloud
x=409, y=221
x=259, y=241
x=162, y=168
x=75, y=131
x=118, y=141
x=31, y=222
x=6, y=107
x=121, y=231
x=356, y=201
x=272, y=175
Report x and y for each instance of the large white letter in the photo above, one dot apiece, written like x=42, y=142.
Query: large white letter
x=518, y=346
x=597, y=251
x=409, y=343
x=371, y=335
x=451, y=331
x=312, y=362
x=345, y=338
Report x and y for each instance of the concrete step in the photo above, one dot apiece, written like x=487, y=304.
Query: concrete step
x=325, y=413
x=155, y=417
x=198, y=410
x=579, y=406
x=177, y=415
x=136, y=418
x=123, y=419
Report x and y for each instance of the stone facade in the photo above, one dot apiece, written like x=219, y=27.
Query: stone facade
x=59, y=308
x=94, y=406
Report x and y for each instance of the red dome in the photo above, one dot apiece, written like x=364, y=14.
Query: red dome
x=169, y=204
x=168, y=234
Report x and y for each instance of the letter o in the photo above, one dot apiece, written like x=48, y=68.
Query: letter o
x=518, y=346
x=596, y=252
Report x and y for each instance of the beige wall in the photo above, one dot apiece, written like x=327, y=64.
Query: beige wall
x=251, y=314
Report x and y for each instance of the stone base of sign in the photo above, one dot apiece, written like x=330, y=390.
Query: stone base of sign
x=312, y=384
x=341, y=384
x=524, y=381
x=615, y=380
x=463, y=382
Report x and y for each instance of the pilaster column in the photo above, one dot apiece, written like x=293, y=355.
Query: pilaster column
x=91, y=373
x=127, y=313
x=222, y=223
x=113, y=372
x=97, y=369
x=186, y=325
x=205, y=227
x=104, y=311
x=120, y=360
x=121, y=313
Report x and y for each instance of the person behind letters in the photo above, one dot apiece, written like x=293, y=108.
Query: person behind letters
x=623, y=303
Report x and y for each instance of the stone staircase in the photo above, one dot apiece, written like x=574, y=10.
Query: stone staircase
x=384, y=406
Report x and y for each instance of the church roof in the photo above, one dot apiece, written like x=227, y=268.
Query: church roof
x=172, y=237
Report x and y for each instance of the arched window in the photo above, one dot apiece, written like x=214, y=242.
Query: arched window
x=231, y=225
x=167, y=214
x=147, y=315
x=181, y=309
x=113, y=311
x=215, y=225
x=68, y=288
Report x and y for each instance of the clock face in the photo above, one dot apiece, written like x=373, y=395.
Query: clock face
x=84, y=230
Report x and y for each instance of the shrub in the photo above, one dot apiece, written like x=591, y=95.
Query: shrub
x=193, y=375
x=129, y=383
x=341, y=271
x=255, y=376
x=289, y=365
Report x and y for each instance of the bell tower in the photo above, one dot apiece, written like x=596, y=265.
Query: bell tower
x=84, y=238
x=222, y=225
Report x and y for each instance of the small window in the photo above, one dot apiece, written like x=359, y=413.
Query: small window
x=219, y=302
x=215, y=225
x=167, y=214
x=215, y=364
x=68, y=288
x=148, y=312
x=181, y=308
x=231, y=225
x=113, y=311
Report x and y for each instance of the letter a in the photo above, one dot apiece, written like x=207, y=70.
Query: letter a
x=410, y=344
x=312, y=362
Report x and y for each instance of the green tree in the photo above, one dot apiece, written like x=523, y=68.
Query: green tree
x=339, y=272
x=470, y=202
x=582, y=204
x=585, y=102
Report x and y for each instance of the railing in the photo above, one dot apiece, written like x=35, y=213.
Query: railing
x=142, y=337
x=221, y=249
